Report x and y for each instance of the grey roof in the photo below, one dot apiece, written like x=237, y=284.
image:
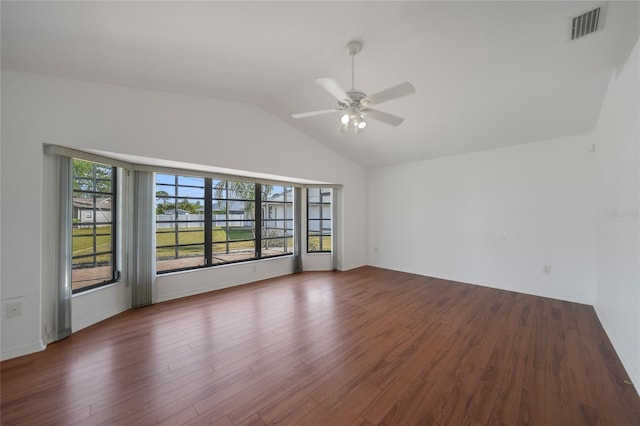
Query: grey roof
x=87, y=203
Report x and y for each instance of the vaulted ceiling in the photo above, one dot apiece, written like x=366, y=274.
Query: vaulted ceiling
x=487, y=74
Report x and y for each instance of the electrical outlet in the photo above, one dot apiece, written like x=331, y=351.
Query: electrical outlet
x=546, y=270
x=14, y=309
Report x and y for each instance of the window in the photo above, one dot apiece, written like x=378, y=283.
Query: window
x=93, y=256
x=206, y=222
x=277, y=220
x=234, y=224
x=318, y=220
x=180, y=233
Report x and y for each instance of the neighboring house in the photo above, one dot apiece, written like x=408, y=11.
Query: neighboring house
x=236, y=215
x=275, y=210
x=185, y=219
x=86, y=211
x=319, y=219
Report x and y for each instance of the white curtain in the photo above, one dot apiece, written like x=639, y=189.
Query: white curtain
x=142, y=261
x=63, y=302
x=335, y=231
x=297, y=229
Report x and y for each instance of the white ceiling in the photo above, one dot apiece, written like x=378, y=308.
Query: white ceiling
x=487, y=74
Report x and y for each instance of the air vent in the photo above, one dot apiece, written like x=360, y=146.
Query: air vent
x=586, y=23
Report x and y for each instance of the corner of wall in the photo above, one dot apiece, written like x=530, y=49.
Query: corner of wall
x=617, y=303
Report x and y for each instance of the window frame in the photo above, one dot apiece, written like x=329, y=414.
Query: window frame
x=176, y=221
x=228, y=201
x=210, y=219
x=320, y=219
x=113, y=223
x=267, y=207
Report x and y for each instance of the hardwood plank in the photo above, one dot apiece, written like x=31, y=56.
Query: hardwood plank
x=343, y=410
x=286, y=413
x=493, y=361
x=520, y=359
x=397, y=390
x=170, y=418
x=367, y=346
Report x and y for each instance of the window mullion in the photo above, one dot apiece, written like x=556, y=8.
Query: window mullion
x=227, y=207
x=94, y=231
x=320, y=222
x=176, y=228
x=114, y=220
x=258, y=219
x=208, y=221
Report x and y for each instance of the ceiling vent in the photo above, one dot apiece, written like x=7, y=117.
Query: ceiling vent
x=586, y=23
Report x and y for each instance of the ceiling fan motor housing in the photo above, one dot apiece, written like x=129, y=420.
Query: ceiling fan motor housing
x=356, y=96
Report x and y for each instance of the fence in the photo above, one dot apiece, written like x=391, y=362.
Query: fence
x=193, y=220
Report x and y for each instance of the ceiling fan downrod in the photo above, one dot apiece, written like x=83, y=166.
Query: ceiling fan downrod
x=353, y=47
x=353, y=119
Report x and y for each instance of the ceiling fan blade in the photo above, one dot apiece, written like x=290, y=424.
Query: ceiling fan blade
x=332, y=86
x=314, y=113
x=391, y=119
x=402, y=89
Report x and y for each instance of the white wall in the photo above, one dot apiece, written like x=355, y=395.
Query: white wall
x=496, y=217
x=618, y=215
x=39, y=109
x=187, y=283
x=493, y=218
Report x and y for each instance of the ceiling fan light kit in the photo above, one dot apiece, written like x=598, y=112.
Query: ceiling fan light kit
x=354, y=105
x=352, y=120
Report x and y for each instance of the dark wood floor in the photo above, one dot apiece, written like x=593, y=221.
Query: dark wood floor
x=369, y=346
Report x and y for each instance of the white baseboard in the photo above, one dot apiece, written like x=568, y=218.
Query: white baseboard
x=22, y=350
x=619, y=348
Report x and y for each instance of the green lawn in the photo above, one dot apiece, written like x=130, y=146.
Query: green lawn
x=314, y=243
x=167, y=236
x=83, y=242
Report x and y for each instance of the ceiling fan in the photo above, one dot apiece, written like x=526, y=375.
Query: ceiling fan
x=354, y=105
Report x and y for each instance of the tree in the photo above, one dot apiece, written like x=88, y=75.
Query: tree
x=188, y=206
x=164, y=206
x=243, y=191
x=183, y=204
x=89, y=176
